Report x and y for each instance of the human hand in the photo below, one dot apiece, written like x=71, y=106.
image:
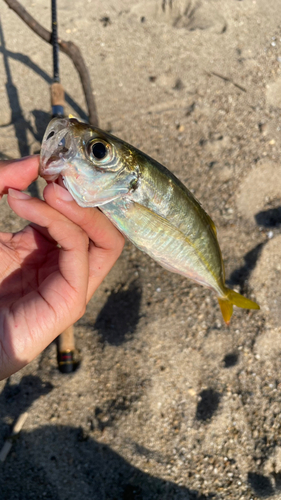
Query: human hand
x=50, y=269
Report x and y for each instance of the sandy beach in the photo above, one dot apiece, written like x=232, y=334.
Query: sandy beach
x=169, y=403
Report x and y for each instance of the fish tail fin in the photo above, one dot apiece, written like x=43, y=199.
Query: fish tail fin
x=233, y=298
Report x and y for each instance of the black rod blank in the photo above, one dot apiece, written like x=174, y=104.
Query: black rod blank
x=56, y=77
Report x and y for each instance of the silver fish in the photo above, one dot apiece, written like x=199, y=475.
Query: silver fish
x=143, y=199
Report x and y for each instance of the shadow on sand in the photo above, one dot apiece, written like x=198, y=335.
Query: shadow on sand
x=61, y=462
x=22, y=126
x=119, y=317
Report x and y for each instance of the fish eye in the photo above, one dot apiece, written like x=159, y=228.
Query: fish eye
x=99, y=150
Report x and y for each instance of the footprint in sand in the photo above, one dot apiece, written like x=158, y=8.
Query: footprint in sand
x=188, y=14
x=259, y=202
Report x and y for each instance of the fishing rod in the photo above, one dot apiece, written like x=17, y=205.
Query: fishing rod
x=66, y=352
x=57, y=91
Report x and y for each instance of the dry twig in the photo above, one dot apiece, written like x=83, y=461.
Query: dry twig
x=69, y=48
x=9, y=442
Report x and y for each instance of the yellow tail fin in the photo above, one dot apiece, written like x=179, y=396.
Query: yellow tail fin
x=231, y=297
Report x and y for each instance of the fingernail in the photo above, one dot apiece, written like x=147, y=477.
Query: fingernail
x=19, y=195
x=62, y=193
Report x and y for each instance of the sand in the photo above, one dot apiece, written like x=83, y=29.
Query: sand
x=168, y=403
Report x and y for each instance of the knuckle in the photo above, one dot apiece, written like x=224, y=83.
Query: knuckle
x=83, y=237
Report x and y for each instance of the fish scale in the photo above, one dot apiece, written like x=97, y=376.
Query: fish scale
x=161, y=241
x=143, y=199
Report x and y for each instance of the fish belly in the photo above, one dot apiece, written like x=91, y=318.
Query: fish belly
x=161, y=240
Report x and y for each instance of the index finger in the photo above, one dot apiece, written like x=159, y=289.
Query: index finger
x=18, y=174
x=106, y=241
x=97, y=226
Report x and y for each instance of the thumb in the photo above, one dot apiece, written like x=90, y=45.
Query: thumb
x=18, y=174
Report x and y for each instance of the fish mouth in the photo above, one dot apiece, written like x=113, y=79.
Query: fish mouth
x=57, y=149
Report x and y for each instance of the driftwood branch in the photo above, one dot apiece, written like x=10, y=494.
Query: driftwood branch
x=9, y=442
x=69, y=48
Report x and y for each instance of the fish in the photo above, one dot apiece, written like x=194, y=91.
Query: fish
x=143, y=199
